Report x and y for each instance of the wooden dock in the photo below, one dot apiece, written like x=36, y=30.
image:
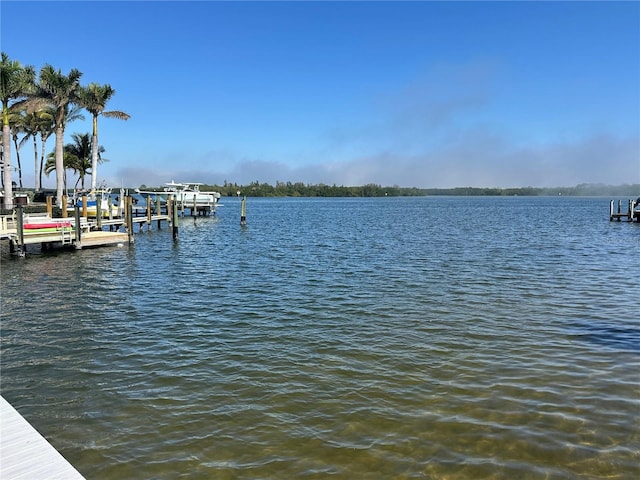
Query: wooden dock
x=78, y=232
x=25, y=454
x=72, y=237
x=632, y=213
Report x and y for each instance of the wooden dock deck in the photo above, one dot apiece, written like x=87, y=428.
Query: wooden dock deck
x=73, y=232
x=79, y=231
x=25, y=454
x=64, y=237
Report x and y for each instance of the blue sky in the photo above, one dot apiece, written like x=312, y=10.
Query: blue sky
x=424, y=94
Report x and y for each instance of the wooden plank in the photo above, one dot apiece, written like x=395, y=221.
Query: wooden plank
x=101, y=238
x=25, y=454
x=33, y=237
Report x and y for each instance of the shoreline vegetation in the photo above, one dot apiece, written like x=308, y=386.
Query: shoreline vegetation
x=299, y=189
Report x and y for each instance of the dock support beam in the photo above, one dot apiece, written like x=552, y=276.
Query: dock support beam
x=20, y=229
x=243, y=211
x=78, y=228
x=158, y=210
x=110, y=206
x=128, y=206
x=611, y=211
x=98, y=212
x=174, y=218
x=148, y=214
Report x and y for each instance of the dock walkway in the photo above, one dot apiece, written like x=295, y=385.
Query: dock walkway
x=25, y=454
x=79, y=231
x=62, y=236
x=76, y=232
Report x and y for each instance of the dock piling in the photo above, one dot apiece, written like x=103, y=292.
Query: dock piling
x=84, y=205
x=158, y=210
x=174, y=219
x=20, y=228
x=243, y=211
x=98, y=213
x=110, y=207
x=129, y=217
x=617, y=214
x=78, y=229
x=148, y=213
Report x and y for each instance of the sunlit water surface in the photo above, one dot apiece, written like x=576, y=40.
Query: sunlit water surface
x=382, y=338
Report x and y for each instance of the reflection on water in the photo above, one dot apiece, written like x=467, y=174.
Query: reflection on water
x=608, y=335
x=351, y=338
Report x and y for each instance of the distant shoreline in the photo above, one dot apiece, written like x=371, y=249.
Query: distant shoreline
x=299, y=189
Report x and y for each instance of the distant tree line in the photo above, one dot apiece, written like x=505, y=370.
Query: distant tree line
x=299, y=189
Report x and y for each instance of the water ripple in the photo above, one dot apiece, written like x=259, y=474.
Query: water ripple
x=343, y=338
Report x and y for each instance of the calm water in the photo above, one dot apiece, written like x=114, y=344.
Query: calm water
x=387, y=338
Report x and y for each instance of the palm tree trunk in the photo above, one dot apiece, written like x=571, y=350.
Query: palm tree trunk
x=6, y=158
x=39, y=173
x=94, y=154
x=15, y=142
x=35, y=163
x=59, y=165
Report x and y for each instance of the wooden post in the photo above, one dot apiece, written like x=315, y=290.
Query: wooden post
x=20, y=228
x=611, y=211
x=158, y=210
x=630, y=212
x=77, y=218
x=50, y=206
x=99, y=212
x=84, y=205
x=110, y=206
x=194, y=210
x=174, y=221
x=129, y=217
x=243, y=211
x=64, y=206
x=148, y=213
x=121, y=203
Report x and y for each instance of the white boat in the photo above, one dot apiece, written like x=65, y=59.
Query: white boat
x=186, y=195
x=106, y=203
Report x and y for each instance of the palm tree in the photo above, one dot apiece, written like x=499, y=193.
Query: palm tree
x=60, y=91
x=82, y=149
x=77, y=158
x=38, y=123
x=47, y=128
x=67, y=163
x=94, y=98
x=17, y=121
x=31, y=131
x=14, y=85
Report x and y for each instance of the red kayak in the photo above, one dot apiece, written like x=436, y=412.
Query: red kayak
x=35, y=226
